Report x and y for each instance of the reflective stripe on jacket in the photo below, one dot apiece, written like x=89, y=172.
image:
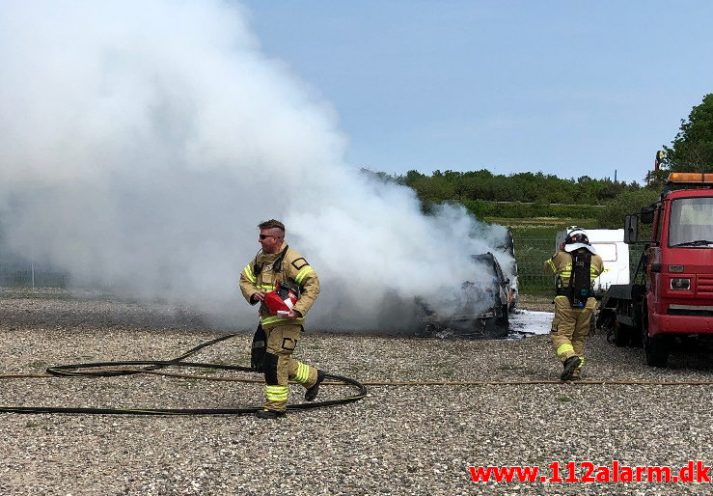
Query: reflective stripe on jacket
x=561, y=265
x=294, y=270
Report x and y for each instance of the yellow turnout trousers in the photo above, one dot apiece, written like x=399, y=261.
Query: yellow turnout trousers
x=570, y=328
x=280, y=367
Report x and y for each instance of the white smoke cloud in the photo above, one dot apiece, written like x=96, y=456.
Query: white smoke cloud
x=142, y=142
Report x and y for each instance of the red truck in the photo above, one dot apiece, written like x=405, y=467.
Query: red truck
x=670, y=296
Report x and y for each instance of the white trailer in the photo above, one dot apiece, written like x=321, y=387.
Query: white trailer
x=609, y=244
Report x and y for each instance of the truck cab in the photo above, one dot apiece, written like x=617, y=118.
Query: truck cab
x=679, y=259
x=672, y=290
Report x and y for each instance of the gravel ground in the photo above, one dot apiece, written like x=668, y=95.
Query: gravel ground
x=399, y=440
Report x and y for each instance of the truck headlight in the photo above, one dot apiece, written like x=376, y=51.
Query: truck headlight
x=681, y=283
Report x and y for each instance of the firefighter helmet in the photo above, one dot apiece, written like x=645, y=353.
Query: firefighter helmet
x=577, y=238
x=576, y=235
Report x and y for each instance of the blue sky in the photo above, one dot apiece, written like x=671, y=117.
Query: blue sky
x=569, y=88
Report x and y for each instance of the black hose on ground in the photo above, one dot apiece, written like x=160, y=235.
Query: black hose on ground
x=99, y=369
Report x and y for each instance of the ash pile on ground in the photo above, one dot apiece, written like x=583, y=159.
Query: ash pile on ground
x=400, y=439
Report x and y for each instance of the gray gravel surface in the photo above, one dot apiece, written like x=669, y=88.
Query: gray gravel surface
x=399, y=440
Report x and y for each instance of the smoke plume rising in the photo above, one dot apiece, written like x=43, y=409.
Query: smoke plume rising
x=142, y=142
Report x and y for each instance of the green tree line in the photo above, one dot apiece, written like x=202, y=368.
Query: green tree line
x=692, y=148
x=534, y=194
x=522, y=187
x=528, y=195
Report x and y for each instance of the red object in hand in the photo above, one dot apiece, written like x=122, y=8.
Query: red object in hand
x=275, y=303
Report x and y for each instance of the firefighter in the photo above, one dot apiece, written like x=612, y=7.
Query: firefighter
x=286, y=286
x=576, y=265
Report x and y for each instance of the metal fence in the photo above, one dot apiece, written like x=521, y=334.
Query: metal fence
x=31, y=276
x=530, y=255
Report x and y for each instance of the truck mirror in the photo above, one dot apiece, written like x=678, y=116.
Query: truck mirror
x=647, y=215
x=631, y=229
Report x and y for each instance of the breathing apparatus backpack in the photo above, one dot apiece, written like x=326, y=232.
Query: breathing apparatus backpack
x=580, y=284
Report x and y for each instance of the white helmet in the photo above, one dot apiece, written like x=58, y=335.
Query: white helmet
x=577, y=238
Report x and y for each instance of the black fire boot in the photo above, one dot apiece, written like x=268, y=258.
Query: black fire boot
x=570, y=365
x=269, y=414
x=312, y=392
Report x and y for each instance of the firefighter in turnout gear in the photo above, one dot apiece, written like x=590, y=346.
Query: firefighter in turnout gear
x=286, y=286
x=576, y=265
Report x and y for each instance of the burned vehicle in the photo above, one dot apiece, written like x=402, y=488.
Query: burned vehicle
x=480, y=307
x=507, y=246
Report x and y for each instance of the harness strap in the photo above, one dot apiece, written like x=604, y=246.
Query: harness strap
x=276, y=265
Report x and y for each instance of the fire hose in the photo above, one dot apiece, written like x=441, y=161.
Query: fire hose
x=133, y=367
x=157, y=367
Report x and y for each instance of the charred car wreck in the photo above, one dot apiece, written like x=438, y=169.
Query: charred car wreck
x=481, y=309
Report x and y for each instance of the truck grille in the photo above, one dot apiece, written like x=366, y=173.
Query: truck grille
x=691, y=310
x=704, y=285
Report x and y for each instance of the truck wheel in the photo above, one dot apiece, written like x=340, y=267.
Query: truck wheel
x=622, y=334
x=656, y=348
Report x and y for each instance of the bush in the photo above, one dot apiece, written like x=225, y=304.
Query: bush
x=612, y=215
